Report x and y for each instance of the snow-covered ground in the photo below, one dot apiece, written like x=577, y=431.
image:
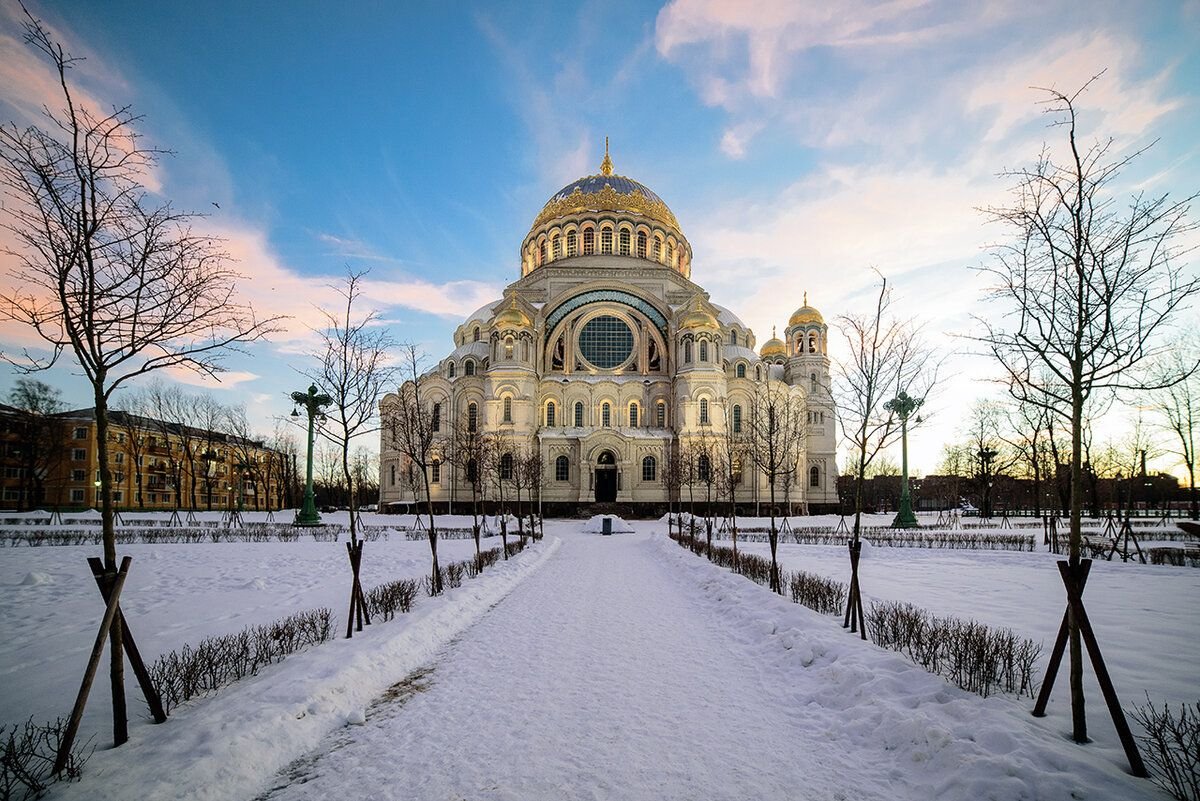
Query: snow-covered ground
x=592, y=667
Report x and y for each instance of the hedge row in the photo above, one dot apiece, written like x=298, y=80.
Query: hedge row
x=28, y=755
x=895, y=538
x=159, y=535
x=1180, y=557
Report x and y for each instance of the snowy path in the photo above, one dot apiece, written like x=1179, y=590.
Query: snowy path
x=604, y=675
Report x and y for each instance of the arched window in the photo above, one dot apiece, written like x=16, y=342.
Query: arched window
x=670, y=253
x=656, y=254
x=812, y=379
x=589, y=241
x=508, y=347
x=814, y=476
x=737, y=419
x=435, y=471
x=393, y=475
x=649, y=469
x=757, y=373
x=703, y=467
x=687, y=351
x=741, y=371
x=556, y=247
x=571, y=243
x=633, y=415
x=450, y=370
x=507, y=409
x=562, y=469
x=605, y=414
x=469, y=367
x=606, y=240
x=704, y=411
x=472, y=470
x=472, y=417
x=541, y=259
x=812, y=343
x=703, y=351
x=477, y=334
x=506, y=467
x=624, y=240
x=660, y=414
x=436, y=417
x=641, y=245
x=578, y=414
x=550, y=410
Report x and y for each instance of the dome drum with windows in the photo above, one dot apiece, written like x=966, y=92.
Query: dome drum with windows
x=607, y=362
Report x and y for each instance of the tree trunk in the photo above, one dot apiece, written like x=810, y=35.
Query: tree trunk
x=436, y=572
x=1078, y=710
x=776, y=584
x=116, y=671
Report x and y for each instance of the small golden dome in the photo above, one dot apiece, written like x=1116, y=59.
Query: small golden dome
x=699, y=318
x=805, y=314
x=513, y=316
x=773, y=346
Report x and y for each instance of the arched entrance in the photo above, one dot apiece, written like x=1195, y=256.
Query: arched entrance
x=606, y=477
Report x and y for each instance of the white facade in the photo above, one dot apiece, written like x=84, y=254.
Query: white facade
x=605, y=354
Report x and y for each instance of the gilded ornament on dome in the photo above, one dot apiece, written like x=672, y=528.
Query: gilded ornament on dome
x=607, y=199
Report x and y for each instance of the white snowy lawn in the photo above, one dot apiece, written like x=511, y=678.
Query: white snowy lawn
x=592, y=667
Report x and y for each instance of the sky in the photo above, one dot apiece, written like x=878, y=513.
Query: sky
x=801, y=145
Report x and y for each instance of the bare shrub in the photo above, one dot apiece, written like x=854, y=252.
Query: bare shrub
x=818, y=593
x=27, y=759
x=396, y=596
x=1172, y=747
x=1180, y=557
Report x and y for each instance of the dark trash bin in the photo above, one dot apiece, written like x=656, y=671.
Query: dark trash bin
x=606, y=526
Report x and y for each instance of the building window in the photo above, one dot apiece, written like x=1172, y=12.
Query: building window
x=737, y=419
x=79, y=455
x=812, y=380
x=436, y=423
x=469, y=368
x=472, y=471
x=624, y=240
x=703, y=468
x=660, y=414
x=812, y=343
x=562, y=469
x=606, y=341
x=506, y=467
x=703, y=351
x=656, y=254
x=450, y=370
x=556, y=247
x=687, y=351
x=571, y=243
x=435, y=471
x=741, y=371
x=605, y=415
x=814, y=477
x=649, y=469
x=578, y=414
x=472, y=417
x=589, y=241
x=633, y=415
x=733, y=337
x=392, y=473
x=76, y=496
x=507, y=409
x=757, y=374
x=508, y=347
x=541, y=259
x=704, y=411
x=550, y=410
x=477, y=334
x=79, y=475
x=606, y=240
x=641, y=245
x=80, y=433
x=119, y=458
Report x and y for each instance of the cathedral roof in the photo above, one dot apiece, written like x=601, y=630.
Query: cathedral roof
x=805, y=314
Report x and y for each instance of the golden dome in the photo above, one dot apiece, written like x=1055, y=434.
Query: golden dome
x=805, y=314
x=699, y=318
x=772, y=347
x=513, y=317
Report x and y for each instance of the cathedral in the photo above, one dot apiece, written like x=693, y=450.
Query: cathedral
x=605, y=358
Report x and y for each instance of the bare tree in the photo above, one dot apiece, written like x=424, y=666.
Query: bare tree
x=468, y=454
x=1178, y=407
x=987, y=452
x=410, y=424
x=730, y=450
x=40, y=436
x=1026, y=433
x=777, y=431
x=130, y=418
x=500, y=467
x=672, y=477
x=247, y=448
x=1091, y=287
x=352, y=369
x=101, y=271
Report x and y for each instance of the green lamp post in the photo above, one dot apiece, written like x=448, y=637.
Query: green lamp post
x=904, y=406
x=312, y=401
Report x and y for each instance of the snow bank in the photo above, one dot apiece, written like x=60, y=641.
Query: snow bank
x=231, y=745
x=596, y=525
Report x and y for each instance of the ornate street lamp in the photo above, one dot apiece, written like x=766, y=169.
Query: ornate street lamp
x=312, y=401
x=904, y=406
x=986, y=455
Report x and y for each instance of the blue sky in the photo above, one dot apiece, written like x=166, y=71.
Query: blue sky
x=799, y=144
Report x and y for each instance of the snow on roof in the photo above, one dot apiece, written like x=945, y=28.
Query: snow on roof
x=484, y=312
x=479, y=350
x=734, y=352
x=726, y=317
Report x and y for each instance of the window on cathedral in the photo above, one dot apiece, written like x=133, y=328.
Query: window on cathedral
x=606, y=243
x=469, y=367
x=757, y=374
x=687, y=351
x=624, y=239
x=571, y=243
x=436, y=417
x=550, y=410
x=556, y=247
x=649, y=468
x=641, y=245
x=508, y=347
x=541, y=259
x=450, y=370
x=578, y=414
x=704, y=468
x=472, y=417
x=393, y=474
x=506, y=467
x=660, y=414
x=606, y=341
x=737, y=419
x=704, y=411
x=605, y=415
x=733, y=337
x=814, y=477
x=562, y=469
x=477, y=334
x=633, y=415
x=741, y=371
x=507, y=409
x=435, y=472
x=589, y=241
x=472, y=471
x=656, y=254
x=670, y=253
x=812, y=379
x=703, y=351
